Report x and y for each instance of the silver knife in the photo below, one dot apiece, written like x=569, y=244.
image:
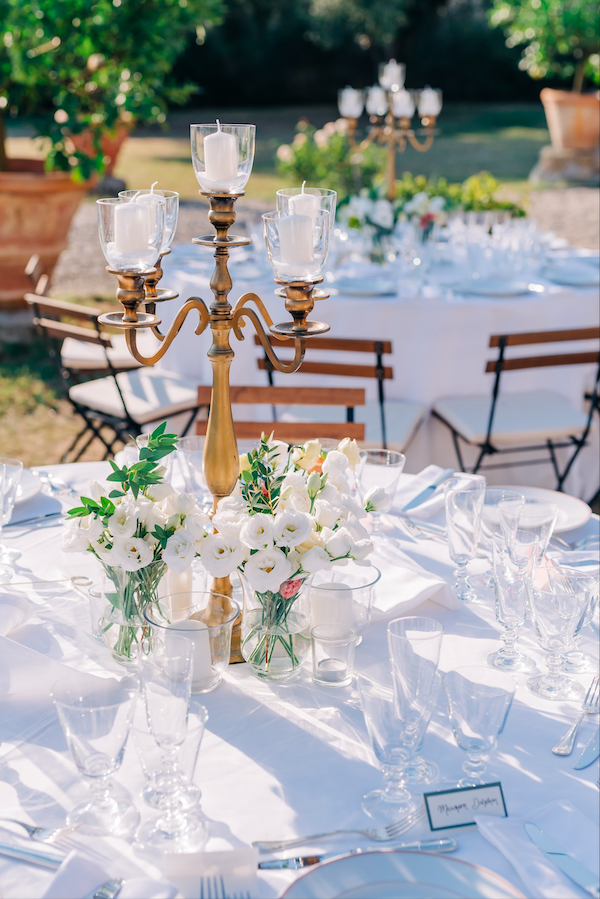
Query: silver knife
x=590, y=753
x=568, y=865
x=34, y=520
x=425, y=494
x=32, y=856
x=305, y=861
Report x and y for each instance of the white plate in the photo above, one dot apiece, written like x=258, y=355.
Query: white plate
x=572, y=512
x=366, y=287
x=572, y=275
x=496, y=287
x=29, y=485
x=393, y=874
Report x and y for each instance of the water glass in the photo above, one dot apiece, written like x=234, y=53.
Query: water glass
x=333, y=654
x=10, y=476
x=580, y=571
x=414, y=646
x=96, y=715
x=344, y=596
x=464, y=496
x=99, y=610
x=479, y=700
x=514, y=562
x=379, y=468
x=558, y=612
x=490, y=525
x=190, y=454
x=533, y=515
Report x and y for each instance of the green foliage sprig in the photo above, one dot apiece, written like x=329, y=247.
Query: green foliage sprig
x=260, y=485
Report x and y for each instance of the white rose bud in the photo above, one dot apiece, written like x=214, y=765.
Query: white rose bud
x=313, y=483
x=377, y=500
x=340, y=544
x=311, y=453
x=361, y=549
x=334, y=463
x=316, y=559
x=351, y=451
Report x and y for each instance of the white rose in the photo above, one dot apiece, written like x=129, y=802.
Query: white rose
x=221, y=554
x=180, y=551
x=291, y=527
x=361, y=549
x=377, y=500
x=334, y=463
x=340, y=544
x=159, y=492
x=316, y=559
x=326, y=514
x=124, y=520
x=351, y=451
x=257, y=532
x=268, y=569
x=131, y=553
x=309, y=455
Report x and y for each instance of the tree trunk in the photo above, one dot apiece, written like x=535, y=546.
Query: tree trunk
x=3, y=156
x=578, y=77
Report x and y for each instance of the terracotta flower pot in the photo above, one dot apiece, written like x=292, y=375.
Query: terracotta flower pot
x=573, y=119
x=36, y=209
x=111, y=145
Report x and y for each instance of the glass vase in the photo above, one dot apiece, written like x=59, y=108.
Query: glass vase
x=276, y=629
x=128, y=593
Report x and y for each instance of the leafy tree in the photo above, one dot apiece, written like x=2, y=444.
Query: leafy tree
x=560, y=36
x=371, y=23
x=77, y=65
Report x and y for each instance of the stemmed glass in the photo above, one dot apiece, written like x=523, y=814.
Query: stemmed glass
x=96, y=715
x=379, y=468
x=578, y=571
x=190, y=452
x=167, y=686
x=464, y=497
x=558, y=611
x=533, y=515
x=514, y=561
x=490, y=525
x=414, y=646
x=479, y=700
x=10, y=475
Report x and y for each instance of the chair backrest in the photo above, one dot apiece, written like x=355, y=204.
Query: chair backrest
x=297, y=431
x=48, y=315
x=378, y=348
x=536, y=337
x=37, y=277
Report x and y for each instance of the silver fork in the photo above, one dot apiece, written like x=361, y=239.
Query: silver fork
x=590, y=706
x=212, y=888
x=424, y=531
x=43, y=834
x=378, y=834
x=109, y=890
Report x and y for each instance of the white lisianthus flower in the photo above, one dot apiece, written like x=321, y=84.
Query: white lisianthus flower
x=124, y=520
x=316, y=559
x=154, y=517
x=331, y=495
x=79, y=533
x=278, y=459
x=180, y=551
x=351, y=507
x=339, y=544
x=361, y=549
x=131, y=553
x=313, y=483
x=257, y=532
x=340, y=482
x=382, y=214
x=103, y=553
x=179, y=504
x=268, y=569
x=221, y=554
x=325, y=514
x=334, y=463
x=96, y=491
x=144, y=507
x=309, y=455
x=159, y=492
x=294, y=498
x=436, y=204
x=355, y=528
x=377, y=500
x=198, y=525
x=291, y=528
x=351, y=451
x=151, y=541
x=231, y=515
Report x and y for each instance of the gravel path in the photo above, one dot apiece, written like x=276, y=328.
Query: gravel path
x=572, y=213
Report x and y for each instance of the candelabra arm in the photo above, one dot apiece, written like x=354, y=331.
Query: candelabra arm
x=167, y=340
x=253, y=298
x=278, y=365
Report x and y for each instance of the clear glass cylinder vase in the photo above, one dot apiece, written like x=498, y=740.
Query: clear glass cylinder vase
x=275, y=635
x=127, y=594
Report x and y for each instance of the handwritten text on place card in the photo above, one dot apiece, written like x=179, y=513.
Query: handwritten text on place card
x=457, y=808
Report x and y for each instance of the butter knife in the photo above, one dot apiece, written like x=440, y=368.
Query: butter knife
x=426, y=493
x=577, y=872
x=32, y=856
x=278, y=864
x=590, y=753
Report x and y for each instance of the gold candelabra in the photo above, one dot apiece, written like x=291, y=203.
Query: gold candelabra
x=135, y=290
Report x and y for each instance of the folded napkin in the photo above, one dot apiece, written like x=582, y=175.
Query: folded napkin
x=408, y=584
x=38, y=505
x=575, y=833
x=78, y=876
x=25, y=671
x=409, y=490
x=237, y=867
x=14, y=611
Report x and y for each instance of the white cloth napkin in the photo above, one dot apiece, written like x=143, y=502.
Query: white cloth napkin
x=407, y=492
x=409, y=586
x=237, y=867
x=38, y=505
x=14, y=611
x=575, y=833
x=78, y=876
x=23, y=670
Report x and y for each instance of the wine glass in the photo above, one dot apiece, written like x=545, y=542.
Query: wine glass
x=580, y=571
x=11, y=469
x=479, y=700
x=490, y=525
x=464, y=496
x=534, y=515
x=558, y=611
x=514, y=560
x=96, y=715
x=414, y=646
x=379, y=468
x=167, y=686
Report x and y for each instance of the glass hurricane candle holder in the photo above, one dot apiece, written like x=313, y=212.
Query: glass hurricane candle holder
x=171, y=201
x=222, y=156
x=391, y=75
x=131, y=239
x=297, y=245
x=307, y=201
x=429, y=103
x=344, y=597
x=351, y=102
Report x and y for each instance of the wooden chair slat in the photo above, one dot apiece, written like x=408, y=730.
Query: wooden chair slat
x=531, y=337
x=61, y=307
x=35, y=272
x=60, y=330
x=544, y=361
x=293, y=432
x=344, y=344
x=338, y=368
x=288, y=396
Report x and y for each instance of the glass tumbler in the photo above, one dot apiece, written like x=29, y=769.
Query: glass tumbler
x=297, y=245
x=344, y=596
x=464, y=496
x=379, y=468
x=580, y=564
x=333, y=654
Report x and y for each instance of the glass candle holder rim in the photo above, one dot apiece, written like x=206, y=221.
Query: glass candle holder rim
x=274, y=215
x=332, y=585
x=129, y=685
x=474, y=480
x=370, y=453
x=491, y=673
x=231, y=616
x=116, y=201
x=350, y=634
x=222, y=125
x=314, y=191
x=430, y=633
x=163, y=192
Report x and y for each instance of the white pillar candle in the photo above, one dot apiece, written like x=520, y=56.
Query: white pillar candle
x=131, y=228
x=331, y=603
x=179, y=589
x=296, y=239
x=351, y=103
x=376, y=101
x=392, y=75
x=304, y=204
x=430, y=103
x=197, y=632
x=403, y=105
x=221, y=155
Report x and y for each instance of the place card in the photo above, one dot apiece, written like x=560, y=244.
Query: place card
x=457, y=808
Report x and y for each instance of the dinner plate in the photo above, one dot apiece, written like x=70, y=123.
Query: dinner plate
x=29, y=485
x=394, y=874
x=366, y=287
x=572, y=512
x=573, y=275
x=496, y=287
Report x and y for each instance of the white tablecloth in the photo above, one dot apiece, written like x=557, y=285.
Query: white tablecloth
x=277, y=760
x=440, y=349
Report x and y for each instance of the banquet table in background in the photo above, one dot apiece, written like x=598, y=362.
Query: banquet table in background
x=440, y=348
x=277, y=760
